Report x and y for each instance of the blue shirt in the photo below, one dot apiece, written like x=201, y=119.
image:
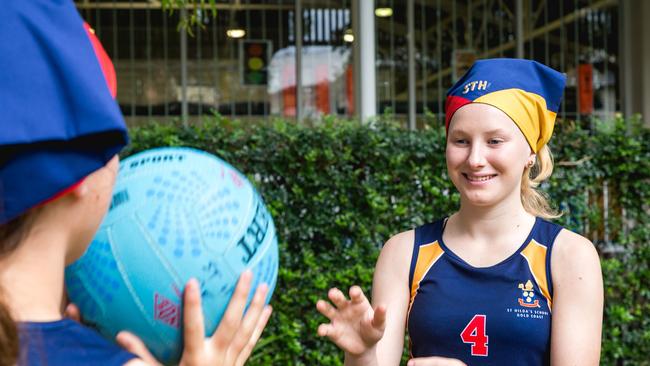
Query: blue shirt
x=497, y=315
x=66, y=342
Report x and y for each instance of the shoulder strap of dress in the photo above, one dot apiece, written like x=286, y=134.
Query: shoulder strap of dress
x=425, y=234
x=545, y=234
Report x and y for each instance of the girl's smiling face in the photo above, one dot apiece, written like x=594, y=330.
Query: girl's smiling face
x=486, y=155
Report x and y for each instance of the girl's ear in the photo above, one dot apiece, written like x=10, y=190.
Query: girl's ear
x=81, y=189
x=531, y=160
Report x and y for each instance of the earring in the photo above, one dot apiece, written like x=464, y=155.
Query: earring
x=531, y=162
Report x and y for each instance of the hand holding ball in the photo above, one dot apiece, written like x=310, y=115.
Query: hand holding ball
x=176, y=214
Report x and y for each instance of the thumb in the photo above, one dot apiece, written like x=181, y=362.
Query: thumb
x=133, y=344
x=368, y=319
x=379, y=319
x=72, y=312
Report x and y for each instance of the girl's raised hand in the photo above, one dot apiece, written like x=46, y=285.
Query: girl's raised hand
x=354, y=326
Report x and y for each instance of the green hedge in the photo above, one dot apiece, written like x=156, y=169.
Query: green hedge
x=338, y=190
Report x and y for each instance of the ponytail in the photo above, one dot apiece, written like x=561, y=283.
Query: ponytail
x=534, y=201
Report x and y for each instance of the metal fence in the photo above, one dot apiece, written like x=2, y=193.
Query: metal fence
x=165, y=73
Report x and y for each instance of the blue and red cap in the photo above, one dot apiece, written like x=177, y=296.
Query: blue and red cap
x=59, y=120
x=527, y=91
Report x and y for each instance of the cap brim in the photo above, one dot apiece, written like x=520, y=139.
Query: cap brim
x=31, y=176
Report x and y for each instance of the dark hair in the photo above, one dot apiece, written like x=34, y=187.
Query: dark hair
x=8, y=337
x=11, y=234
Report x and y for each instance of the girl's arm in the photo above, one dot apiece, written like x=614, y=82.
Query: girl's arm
x=577, y=301
x=391, y=288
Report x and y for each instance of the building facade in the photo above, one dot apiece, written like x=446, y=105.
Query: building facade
x=357, y=57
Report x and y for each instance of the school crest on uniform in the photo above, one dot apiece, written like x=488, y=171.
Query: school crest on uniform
x=528, y=299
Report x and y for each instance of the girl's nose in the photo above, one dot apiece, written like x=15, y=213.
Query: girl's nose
x=476, y=158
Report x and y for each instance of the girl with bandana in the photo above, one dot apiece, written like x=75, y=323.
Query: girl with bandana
x=60, y=131
x=495, y=283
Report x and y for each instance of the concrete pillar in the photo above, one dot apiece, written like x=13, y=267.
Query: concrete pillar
x=411, y=63
x=184, y=104
x=299, y=97
x=519, y=28
x=634, y=35
x=645, y=63
x=363, y=27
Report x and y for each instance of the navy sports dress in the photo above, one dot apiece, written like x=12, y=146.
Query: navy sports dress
x=66, y=342
x=498, y=315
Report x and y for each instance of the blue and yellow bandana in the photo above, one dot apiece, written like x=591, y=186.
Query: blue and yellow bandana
x=58, y=120
x=527, y=91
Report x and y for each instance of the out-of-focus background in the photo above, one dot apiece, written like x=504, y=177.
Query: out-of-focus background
x=241, y=57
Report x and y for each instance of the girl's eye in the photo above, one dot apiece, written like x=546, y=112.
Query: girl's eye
x=461, y=141
x=494, y=141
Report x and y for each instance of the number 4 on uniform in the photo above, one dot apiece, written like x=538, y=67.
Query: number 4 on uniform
x=474, y=334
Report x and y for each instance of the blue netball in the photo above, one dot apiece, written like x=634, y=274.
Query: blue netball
x=176, y=213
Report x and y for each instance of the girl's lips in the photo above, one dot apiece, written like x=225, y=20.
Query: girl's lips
x=478, y=179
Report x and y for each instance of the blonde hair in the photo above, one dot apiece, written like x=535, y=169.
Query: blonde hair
x=534, y=201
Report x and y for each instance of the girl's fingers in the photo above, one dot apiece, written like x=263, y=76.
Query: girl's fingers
x=326, y=309
x=257, y=332
x=261, y=323
x=367, y=318
x=325, y=330
x=193, y=325
x=356, y=295
x=337, y=297
x=233, y=316
x=72, y=312
x=249, y=322
x=133, y=344
x=379, y=319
